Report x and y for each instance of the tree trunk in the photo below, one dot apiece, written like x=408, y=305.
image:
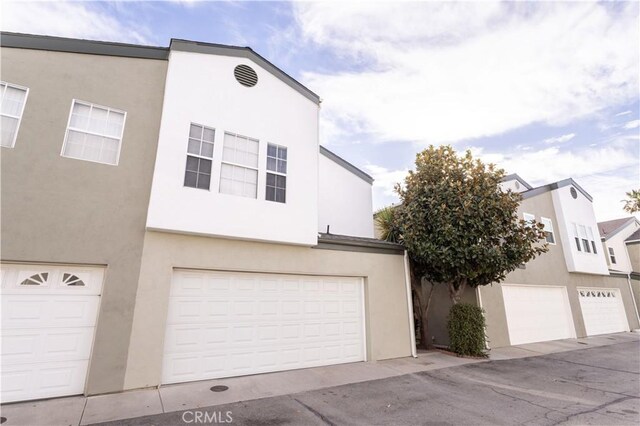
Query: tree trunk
x=425, y=316
x=456, y=290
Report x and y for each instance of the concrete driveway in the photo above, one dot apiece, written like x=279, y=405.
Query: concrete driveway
x=598, y=385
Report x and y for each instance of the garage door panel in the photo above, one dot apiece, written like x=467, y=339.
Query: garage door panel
x=228, y=324
x=44, y=345
x=537, y=313
x=602, y=310
x=49, y=311
x=43, y=380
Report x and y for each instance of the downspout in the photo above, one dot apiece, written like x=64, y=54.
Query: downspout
x=633, y=299
x=407, y=281
x=479, y=297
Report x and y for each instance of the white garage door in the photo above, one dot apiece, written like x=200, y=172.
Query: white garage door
x=223, y=324
x=602, y=310
x=537, y=313
x=48, y=321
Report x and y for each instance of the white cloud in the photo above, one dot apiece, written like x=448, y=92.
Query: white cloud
x=634, y=124
x=384, y=183
x=623, y=113
x=606, y=171
x=560, y=139
x=444, y=72
x=86, y=20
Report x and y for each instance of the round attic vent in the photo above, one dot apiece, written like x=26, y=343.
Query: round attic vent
x=574, y=193
x=245, y=75
x=517, y=185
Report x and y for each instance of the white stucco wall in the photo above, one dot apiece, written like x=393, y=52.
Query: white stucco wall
x=345, y=202
x=202, y=89
x=579, y=211
x=623, y=262
x=513, y=185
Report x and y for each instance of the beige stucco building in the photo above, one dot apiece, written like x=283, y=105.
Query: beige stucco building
x=565, y=293
x=165, y=220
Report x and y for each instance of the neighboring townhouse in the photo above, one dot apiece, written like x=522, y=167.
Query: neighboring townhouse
x=76, y=165
x=614, y=235
x=621, y=243
x=168, y=216
x=565, y=293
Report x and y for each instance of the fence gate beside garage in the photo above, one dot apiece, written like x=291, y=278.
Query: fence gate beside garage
x=223, y=324
x=49, y=315
x=602, y=310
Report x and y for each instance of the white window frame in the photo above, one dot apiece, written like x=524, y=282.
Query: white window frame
x=592, y=240
x=202, y=157
x=244, y=166
x=24, y=104
x=529, y=218
x=91, y=105
x=267, y=171
x=550, y=230
x=612, y=255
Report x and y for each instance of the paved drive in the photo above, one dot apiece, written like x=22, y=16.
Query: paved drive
x=597, y=386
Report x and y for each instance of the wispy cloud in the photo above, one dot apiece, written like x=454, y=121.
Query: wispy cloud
x=634, y=124
x=87, y=20
x=560, y=139
x=627, y=112
x=445, y=72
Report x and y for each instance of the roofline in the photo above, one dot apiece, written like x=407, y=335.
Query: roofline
x=633, y=242
x=555, y=185
x=371, y=246
x=619, y=228
x=347, y=165
x=516, y=177
x=74, y=45
x=243, y=52
x=109, y=48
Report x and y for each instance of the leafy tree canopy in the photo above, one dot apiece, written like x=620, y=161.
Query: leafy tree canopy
x=457, y=224
x=632, y=204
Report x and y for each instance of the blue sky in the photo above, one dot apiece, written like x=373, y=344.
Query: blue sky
x=545, y=90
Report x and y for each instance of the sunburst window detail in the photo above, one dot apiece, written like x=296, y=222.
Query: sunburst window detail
x=72, y=280
x=37, y=279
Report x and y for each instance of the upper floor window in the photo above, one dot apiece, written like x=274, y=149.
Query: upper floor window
x=591, y=239
x=276, y=173
x=12, y=101
x=612, y=255
x=548, y=230
x=94, y=133
x=529, y=218
x=239, y=169
x=199, y=155
x=583, y=236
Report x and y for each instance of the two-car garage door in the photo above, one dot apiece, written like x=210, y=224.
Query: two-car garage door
x=223, y=324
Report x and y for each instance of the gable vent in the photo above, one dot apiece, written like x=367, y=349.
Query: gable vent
x=246, y=75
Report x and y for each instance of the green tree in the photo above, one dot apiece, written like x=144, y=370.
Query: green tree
x=632, y=204
x=459, y=227
x=386, y=224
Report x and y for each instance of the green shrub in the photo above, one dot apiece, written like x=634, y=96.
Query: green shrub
x=466, y=327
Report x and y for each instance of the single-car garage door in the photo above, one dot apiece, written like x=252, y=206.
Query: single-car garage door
x=223, y=324
x=602, y=310
x=48, y=321
x=537, y=313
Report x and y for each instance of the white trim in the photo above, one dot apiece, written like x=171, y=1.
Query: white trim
x=407, y=281
x=75, y=129
x=24, y=104
x=364, y=320
x=542, y=219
